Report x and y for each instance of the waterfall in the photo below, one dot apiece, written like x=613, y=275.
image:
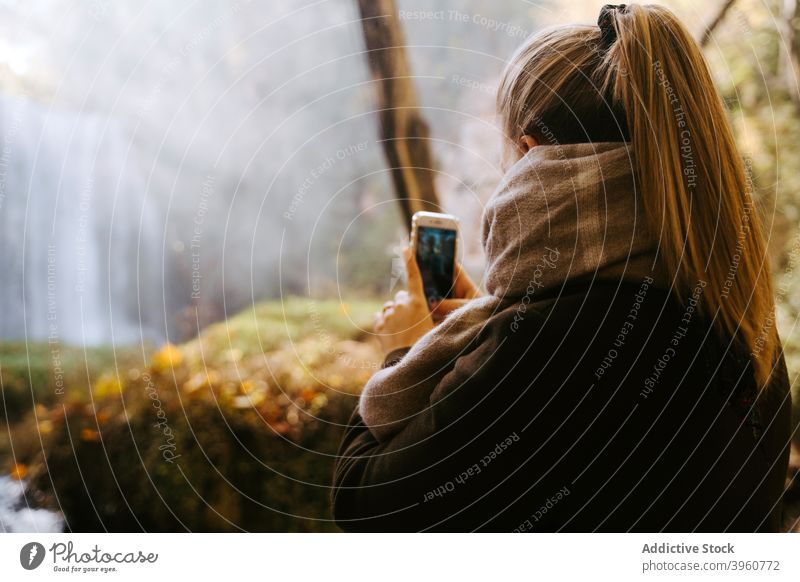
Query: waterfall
x=80, y=252
x=16, y=514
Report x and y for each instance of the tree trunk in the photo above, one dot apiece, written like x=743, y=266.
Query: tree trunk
x=403, y=131
x=789, y=63
x=727, y=5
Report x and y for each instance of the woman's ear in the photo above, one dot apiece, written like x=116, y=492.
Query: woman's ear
x=527, y=142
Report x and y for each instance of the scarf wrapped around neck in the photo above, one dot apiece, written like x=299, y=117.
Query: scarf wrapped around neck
x=559, y=214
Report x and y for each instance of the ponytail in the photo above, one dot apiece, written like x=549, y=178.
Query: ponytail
x=640, y=77
x=694, y=187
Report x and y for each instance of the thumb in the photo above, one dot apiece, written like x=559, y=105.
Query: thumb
x=415, y=285
x=463, y=285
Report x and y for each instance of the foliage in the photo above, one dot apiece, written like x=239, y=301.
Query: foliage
x=42, y=373
x=748, y=60
x=213, y=435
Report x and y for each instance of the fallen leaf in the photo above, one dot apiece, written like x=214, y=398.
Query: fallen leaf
x=19, y=471
x=89, y=435
x=108, y=385
x=167, y=358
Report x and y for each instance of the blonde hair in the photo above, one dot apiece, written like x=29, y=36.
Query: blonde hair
x=643, y=79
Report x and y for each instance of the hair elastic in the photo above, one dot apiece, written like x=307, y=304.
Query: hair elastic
x=608, y=31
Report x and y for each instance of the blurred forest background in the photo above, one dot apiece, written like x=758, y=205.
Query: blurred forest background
x=197, y=222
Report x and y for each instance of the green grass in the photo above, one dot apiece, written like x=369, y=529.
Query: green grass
x=43, y=373
x=277, y=324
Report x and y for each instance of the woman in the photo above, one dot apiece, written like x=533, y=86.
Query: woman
x=623, y=372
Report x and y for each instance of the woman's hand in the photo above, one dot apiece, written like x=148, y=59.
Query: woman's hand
x=464, y=290
x=406, y=319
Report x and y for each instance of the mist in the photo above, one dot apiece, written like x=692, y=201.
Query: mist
x=167, y=165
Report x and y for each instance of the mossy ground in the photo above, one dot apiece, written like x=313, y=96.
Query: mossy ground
x=233, y=430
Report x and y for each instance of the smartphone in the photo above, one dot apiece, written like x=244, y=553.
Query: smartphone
x=434, y=240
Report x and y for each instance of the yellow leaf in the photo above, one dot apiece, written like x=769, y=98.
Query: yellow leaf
x=108, y=385
x=167, y=358
x=258, y=397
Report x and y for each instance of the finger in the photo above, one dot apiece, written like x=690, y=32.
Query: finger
x=377, y=322
x=446, y=306
x=388, y=305
x=401, y=296
x=415, y=286
x=436, y=317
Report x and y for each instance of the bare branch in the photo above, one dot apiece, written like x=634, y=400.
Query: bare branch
x=704, y=40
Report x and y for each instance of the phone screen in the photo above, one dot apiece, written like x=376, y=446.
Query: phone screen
x=436, y=254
